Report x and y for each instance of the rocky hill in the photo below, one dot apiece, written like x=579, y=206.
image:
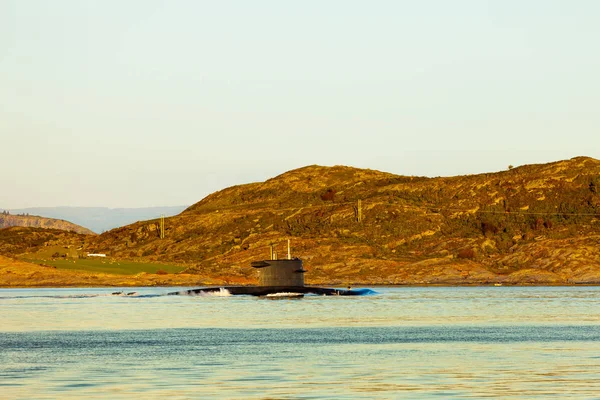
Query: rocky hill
x=32, y=221
x=18, y=240
x=535, y=224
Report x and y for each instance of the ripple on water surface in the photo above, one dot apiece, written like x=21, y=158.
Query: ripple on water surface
x=405, y=342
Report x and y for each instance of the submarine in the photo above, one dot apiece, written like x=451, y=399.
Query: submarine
x=283, y=277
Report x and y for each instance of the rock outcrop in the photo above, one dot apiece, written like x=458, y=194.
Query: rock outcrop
x=32, y=221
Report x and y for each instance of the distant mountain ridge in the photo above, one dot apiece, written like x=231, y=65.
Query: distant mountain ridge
x=34, y=221
x=100, y=219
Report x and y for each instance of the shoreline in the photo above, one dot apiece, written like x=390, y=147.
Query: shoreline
x=356, y=286
x=16, y=274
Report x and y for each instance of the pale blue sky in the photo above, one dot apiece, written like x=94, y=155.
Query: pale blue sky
x=143, y=103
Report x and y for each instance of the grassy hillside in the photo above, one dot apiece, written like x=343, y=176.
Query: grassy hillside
x=16, y=273
x=100, y=265
x=66, y=251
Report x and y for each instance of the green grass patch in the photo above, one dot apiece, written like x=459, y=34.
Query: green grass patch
x=107, y=266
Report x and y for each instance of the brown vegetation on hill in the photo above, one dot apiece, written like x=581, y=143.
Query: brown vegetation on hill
x=535, y=224
x=18, y=240
x=531, y=224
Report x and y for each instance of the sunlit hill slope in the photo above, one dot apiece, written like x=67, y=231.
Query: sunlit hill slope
x=535, y=224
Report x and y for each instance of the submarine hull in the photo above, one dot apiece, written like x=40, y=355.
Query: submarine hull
x=266, y=290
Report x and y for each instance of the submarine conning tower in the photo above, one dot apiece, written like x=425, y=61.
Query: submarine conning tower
x=278, y=277
x=280, y=272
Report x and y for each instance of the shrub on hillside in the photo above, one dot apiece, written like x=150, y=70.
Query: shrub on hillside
x=329, y=195
x=537, y=224
x=467, y=253
x=487, y=228
x=528, y=235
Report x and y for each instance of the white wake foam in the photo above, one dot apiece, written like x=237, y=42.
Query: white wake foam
x=221, y=293
x=285, y=294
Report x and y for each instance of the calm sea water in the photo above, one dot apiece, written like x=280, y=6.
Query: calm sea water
x=400, y=343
